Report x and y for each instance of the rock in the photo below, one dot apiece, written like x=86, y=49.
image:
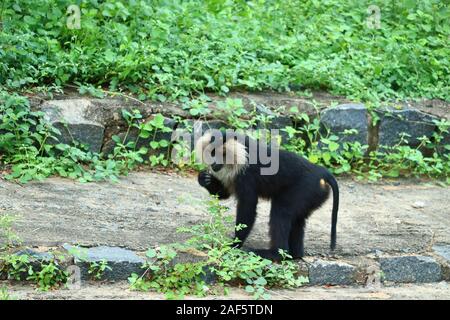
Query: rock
x=70, y=118
x=443, y=253
x=123, y=262
x=411, y=269
x=444, y=145
x=418, y=205
x=323, y=272
x=35, y=260
x=346, y=117
x=274, y=121
x=394, y=122
x=109, y=146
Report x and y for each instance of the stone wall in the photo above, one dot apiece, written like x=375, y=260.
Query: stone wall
x=94, y=121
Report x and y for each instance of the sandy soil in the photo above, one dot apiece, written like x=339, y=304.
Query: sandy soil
x=145, y=209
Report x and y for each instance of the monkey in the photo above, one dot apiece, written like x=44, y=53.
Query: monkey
x=295, y=190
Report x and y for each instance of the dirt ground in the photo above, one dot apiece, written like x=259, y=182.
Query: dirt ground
x=145, y=209
x=121, y=291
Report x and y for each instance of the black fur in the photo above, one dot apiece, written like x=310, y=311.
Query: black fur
x=295, y=192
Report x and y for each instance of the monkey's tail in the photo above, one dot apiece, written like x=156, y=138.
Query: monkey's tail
x=329, y=178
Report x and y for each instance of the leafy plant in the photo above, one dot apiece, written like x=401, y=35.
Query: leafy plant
x=7, y=235
x=30, y=148
x=97, y=269
x=218, y=256
x=236, y=115
x=174, y=49
x=175, y=280
x=15, y=266
x=342, y=156
x=4, y=294
x=50, y=275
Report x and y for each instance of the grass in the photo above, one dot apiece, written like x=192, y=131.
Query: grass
x=169, y=49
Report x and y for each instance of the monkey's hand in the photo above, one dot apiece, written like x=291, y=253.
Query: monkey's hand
x=205, y=179
x=214, y=186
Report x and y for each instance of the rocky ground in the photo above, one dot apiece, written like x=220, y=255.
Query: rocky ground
x=403, y=226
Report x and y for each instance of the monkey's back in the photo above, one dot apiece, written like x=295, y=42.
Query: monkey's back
x=293, y=171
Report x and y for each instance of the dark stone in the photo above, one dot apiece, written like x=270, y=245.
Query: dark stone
x=109, y=146
x=35, y=260
x=323, y=272
x=69, y=117
x=274, y=121
x=444, y=145
x=123, y=262
x=87, y=134
x=406, y=269
x=394, y=122
x=346, y=117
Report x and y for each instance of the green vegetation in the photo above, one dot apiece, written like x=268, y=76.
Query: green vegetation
x=30, y=150
x=427, y=159
x=217, y=256
x=173, y=49
x=168, y=49
x=183, y=50
x=45, y=274
x=29, y=146
x=97, y=269
x=4, y=294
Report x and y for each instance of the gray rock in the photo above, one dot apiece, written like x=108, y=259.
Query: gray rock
x=123, y=262
x=394, y=122
x=411, y=269
x=274, y=121
x=443, y=251
x=70, y=118
x=35, y=255
x=323, y=272
x=346, y=117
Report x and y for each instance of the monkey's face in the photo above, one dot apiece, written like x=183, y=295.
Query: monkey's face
x=218, y=161
x=221, y=152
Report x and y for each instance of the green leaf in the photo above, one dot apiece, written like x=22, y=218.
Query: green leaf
x=333, y=146
x=249, y=289
x=261, y=281
x=151, y=253
x=154, y=144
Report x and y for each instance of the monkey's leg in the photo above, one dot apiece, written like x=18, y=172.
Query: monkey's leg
x=281, y=220
x=246, y=214
x=296, y=238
